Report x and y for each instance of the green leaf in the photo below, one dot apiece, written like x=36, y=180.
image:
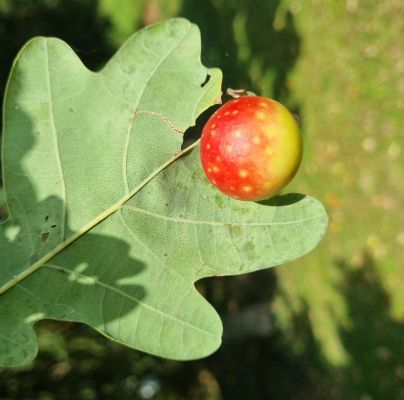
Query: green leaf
x=110, y=223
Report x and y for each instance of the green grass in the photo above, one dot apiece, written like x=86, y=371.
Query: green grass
x=349, y=83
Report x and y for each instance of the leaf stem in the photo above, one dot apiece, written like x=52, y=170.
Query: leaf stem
x=115, y=207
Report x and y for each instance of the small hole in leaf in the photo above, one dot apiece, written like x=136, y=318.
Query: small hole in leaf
x=207, y=79
x=45, y=237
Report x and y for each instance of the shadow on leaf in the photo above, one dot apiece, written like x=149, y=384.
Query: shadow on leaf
x=93, y=280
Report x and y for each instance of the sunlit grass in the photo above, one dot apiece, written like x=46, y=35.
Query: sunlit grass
x=349, y=84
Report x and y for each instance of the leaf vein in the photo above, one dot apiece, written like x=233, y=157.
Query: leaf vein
x=131, y=298
x=53, y=124
x=217, y=223
x=135, y=108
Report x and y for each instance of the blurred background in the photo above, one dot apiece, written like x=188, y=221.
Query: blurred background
x=327, y=326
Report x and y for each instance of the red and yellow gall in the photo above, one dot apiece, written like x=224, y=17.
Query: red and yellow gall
x=251, y=148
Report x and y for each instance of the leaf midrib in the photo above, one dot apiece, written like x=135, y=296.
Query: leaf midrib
x=101, y=217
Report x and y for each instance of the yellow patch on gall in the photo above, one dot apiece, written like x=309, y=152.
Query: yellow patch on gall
x=215, y=168
x=235, y=112
x=268, y=185
x=247, y=189
x=227, y=113
x=229, y=148
x=269, y=151
x=260, y=115
x=256, y=140
x=243, y=173
x=208, y=146
x=237, y=134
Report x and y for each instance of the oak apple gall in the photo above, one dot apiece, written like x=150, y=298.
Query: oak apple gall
x=251, y=148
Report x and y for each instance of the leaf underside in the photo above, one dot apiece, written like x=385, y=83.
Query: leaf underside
x=110, y=226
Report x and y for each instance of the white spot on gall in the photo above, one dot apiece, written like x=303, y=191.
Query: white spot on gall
x=237, y=134
x=256, y=140
x=229, y=148
x=208, y=146
x=215, y=168
x=235, y=112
